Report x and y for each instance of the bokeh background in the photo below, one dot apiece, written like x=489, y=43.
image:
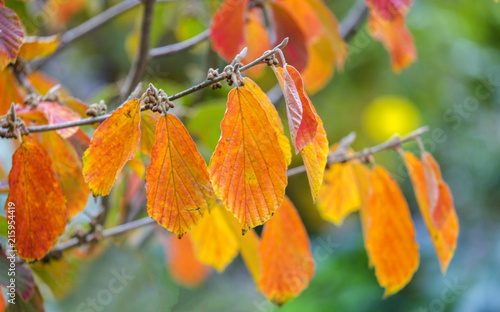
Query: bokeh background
x=454, y=87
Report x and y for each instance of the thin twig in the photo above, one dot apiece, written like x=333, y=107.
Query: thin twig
x=179, y=46
x=88, y=27
x=137, y=70
x=362, y=155
x=353, y=20
x=336, y=158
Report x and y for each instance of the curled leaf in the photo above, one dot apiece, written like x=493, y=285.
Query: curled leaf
x=444, y=237
x=40, y=208
x=286, y=259
x=113, y=143
x=11, y=36
x=177, y=183
x=248, y=168
x=390, y=238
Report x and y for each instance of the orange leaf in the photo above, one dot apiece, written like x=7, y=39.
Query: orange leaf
x=362, y=175
x=35, y=47
x=228, y=28
x=183, y=265
x=40, y=208
x=390, y=29
x=113, y=143
x=77, y=106
x=390, y=9
x=68, y=168
x=302, y=118
x=148, y=130
x=248, y=168
x=213, y=240
x=315, y=156
x=11, y=36
x=178, y=187
x=273, y=116
x=440, y=199
x=256, y=40
x=80, y=142
x=285, y=25
x=339, y=195
x=445, y=237
x=286, y=259
x=43, y=83
x=2, y=302
x=390, y=238
x=57, y=113
x=9, y=91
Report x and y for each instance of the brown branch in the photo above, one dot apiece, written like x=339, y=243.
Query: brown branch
x=142, y=59
x=88, y=27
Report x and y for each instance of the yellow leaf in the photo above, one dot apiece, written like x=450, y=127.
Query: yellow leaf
x=35, y=47
x=213, y=240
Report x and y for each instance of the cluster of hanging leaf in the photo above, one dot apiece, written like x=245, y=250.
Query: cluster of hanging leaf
x=244, y=184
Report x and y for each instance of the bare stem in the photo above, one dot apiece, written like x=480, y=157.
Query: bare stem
x=137, y=71
x=88, y=27
x=179, y=46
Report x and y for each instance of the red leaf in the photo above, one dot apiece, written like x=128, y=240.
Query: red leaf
x=11, y=36
x=284, y=26
x=40, y=212
x=301, y=115
x=9, y=91
x=56, y=114
x=178, y=187
x=228, y=28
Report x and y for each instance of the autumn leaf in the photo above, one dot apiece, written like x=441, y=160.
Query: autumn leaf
x=339, y=194
x=148, y=130
x=286, y=259
x=178, y=187
x=390, y=239
x=445, y=237
x=182, y=263
x=35, y=47
x=11, y=36
x=213, y=240
x=77, y=106
x=113, y=143
x=56, y=113
x=40, y=212
x=302, y=118
x=325, y=46
x=42, y=83
x=25, y=281
x=273, y=116
x=285, y=26
x=68, y=168
x=227, y=30
x=387, y=24
x=9, y=91
x=362, y=178
x=248, y=168
x=256, y=40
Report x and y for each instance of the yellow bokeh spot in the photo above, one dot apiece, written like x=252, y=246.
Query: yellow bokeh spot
x=388, y=115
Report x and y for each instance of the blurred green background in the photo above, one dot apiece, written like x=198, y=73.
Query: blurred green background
x=454, y=87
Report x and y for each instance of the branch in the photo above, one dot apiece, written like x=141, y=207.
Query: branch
x=353, y=20
x=362, y=155
x=137, y=71
x=179, y=46
x=335, y=158
x=89, y=27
